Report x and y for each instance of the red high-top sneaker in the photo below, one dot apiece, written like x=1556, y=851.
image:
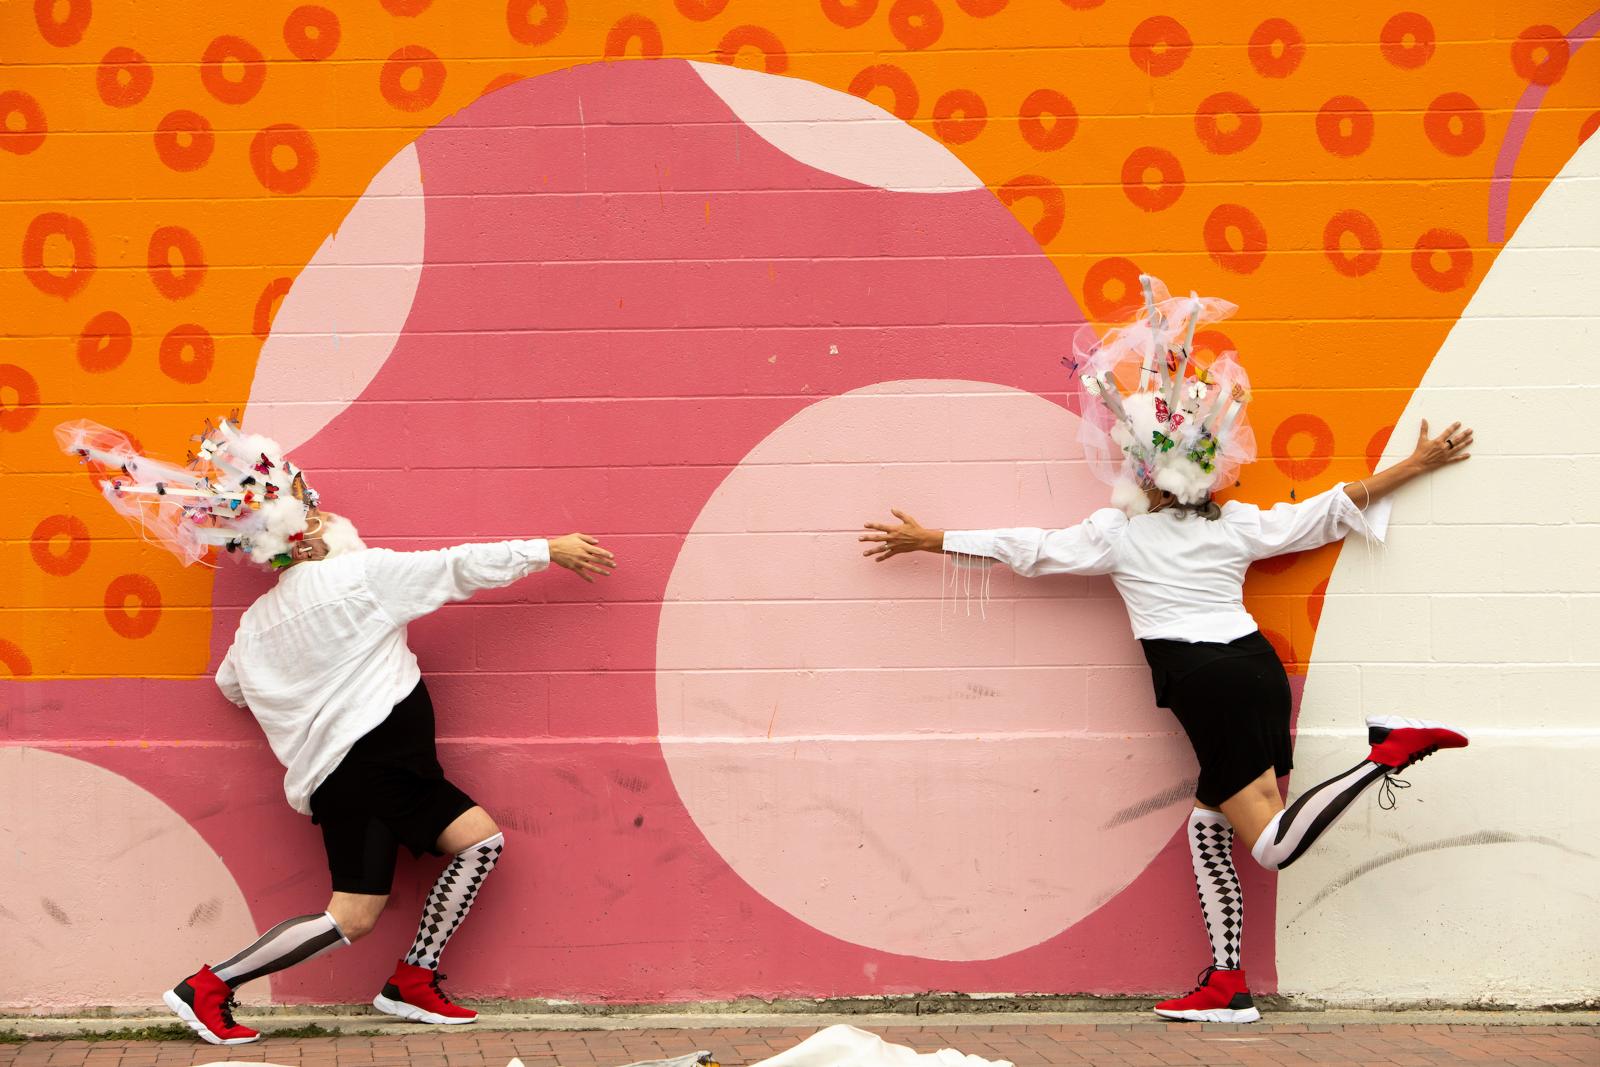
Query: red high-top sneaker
x=413, y=993
x=205, y=1002
x=1222, y=997
x=1399, y=743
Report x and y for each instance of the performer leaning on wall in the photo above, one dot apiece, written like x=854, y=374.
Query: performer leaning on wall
x=1178, y=559
x=321, y=660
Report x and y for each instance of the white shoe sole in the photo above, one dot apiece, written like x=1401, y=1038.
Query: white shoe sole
x=186, y=1013
x=1212, y=1015
x=413, y=1014
x=1396, y=722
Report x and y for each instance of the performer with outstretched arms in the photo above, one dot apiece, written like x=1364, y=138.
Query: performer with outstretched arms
x=321, y=660
x=1178, y=559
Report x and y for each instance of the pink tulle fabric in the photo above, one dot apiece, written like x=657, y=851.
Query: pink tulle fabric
x=1150, y=414
x=239, y=493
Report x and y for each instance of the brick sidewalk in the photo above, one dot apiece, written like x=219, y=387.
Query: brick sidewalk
x=1106, y=1045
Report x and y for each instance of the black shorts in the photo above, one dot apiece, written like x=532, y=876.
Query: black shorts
x=388, y=791
x=1233, y=701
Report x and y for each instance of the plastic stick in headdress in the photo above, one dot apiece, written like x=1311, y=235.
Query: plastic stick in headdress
x=1173, y=387
x=1158, y=353
x=1236, y=402
x=239, y=493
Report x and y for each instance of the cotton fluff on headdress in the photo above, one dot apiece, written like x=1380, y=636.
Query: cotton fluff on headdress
x=1174, y=425
x=238, y=491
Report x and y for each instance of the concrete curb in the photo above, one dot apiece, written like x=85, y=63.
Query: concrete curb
x=57, y=1027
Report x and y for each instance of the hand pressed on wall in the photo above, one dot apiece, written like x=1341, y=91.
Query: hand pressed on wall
x=582, y=555
x=907, y=536
x=1452, y=446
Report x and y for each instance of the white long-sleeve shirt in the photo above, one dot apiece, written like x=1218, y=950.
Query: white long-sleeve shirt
x=321, y=658
x=1181, y=576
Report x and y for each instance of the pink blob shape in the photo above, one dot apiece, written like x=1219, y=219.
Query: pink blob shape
x=922, y=777
x=340, y=320
x=115, y=910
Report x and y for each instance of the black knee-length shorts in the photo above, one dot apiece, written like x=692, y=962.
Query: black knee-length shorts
x=388, y=791
x=1233, y=701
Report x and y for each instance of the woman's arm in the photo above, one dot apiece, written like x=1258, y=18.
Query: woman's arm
x=1087, y=548
x=1452, y=446
x=1340, y=511
x=228, y=680
x=409, y=585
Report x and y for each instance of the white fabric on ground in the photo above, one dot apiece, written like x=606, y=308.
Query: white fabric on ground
x=846, y=1046
x=837, y=1046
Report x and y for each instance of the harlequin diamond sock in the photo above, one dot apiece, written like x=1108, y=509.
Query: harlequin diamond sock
x=290, y=942
x=1221, y=901
x=451, y=898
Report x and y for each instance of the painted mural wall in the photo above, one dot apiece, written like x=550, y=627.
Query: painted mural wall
x=718, y=280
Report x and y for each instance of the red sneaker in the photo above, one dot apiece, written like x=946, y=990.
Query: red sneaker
x=1221, y=998
x=413, y=993
x=206, y=1003
x=1399, y=743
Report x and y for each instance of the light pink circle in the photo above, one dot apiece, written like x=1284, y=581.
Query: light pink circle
x=932, y=776
x=130, y=906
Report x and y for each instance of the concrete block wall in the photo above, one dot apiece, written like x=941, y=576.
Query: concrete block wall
x=718, y=281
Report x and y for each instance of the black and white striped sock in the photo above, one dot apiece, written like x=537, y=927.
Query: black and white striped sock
x=1294, y=829
x=1221, y=901
x=290, y=942
x=451, y=897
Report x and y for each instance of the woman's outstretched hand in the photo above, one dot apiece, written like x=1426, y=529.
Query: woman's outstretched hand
x=1452, y=446
x=908, y=535
x=582, y=555
x=1431, y=453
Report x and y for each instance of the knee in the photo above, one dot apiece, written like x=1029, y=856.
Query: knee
x=471, y=827
x=1271, y=855
x=356, y=927
x=358, y=920
x=492, y=840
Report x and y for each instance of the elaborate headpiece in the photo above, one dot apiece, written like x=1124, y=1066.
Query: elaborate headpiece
x=237, y=492
x=1181, y=427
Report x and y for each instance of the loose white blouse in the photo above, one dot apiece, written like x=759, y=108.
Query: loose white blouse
x=1180, y=575
x=321, y=658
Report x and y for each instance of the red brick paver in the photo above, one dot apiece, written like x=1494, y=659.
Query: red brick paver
x=1105, y=1045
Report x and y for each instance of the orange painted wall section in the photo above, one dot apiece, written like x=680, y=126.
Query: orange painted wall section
x=165, y=177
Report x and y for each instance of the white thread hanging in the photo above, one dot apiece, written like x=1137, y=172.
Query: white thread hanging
x=960, y=583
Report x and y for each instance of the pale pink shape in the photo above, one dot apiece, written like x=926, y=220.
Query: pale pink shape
x=922, y=775
x=837, y=133
x=107, y=895
x=341, y=319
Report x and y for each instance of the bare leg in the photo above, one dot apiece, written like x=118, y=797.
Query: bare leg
x=1251, y=808
x=356, y=913
x=470, y=827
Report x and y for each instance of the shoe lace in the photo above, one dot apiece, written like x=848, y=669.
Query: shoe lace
x=1203, y=978
x=437, y=991
x=226, y=1010
x=1386, y=791
x=1421, y=755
